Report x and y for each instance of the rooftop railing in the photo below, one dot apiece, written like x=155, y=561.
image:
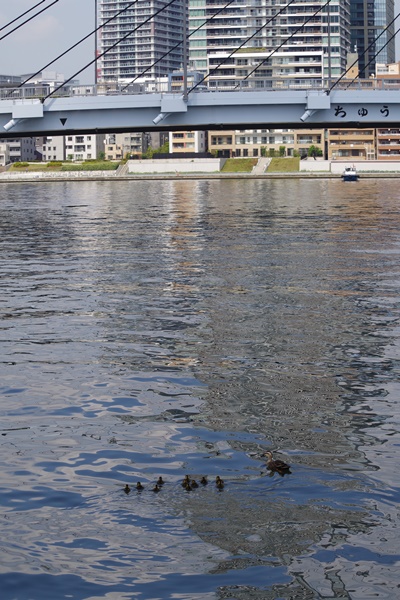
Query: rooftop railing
x=256, y=84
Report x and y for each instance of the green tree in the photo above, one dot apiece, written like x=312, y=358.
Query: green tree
x=164, y=149
x=149, y=153
x=282, y=150
x=314, y=151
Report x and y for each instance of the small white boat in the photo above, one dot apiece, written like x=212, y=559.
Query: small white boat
x=350, y=174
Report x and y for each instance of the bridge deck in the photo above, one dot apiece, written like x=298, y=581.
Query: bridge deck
x=203, y=110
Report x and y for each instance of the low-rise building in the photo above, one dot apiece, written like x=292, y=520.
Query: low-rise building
x=53, y=148
x=4, y=155
x=119, y=145
x=84, y=147
x=351, y=144
x=259, y=142
x=187, y=141
x=388, y=143
x=21, y=149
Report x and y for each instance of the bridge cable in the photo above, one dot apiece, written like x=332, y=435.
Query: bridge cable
x=22, y=15
x=243, y=44
x=178, y=44
x=27, y=20
x=75, y=45
x=363, y=54
x=283, y=43
x=108, y=50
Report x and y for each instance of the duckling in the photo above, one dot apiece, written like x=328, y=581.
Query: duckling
x=156, y=488
x=127, y=489
x=194, y=484
x=187, y=486
x=276, y=465
x=160, y=481
x=139, y=486
x=186, y=481
x=219, y=482
x=203, y=480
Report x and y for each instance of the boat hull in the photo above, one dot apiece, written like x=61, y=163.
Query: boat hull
x=350, y=177
x=350, y=174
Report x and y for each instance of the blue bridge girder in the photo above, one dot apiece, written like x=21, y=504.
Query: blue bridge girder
x=201, y=111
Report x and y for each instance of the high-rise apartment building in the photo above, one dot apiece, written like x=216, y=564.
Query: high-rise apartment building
x=145, y=45
x=307, y=41
x=368, y=19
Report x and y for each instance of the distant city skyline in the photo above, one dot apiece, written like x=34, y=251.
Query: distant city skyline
x=51, y=33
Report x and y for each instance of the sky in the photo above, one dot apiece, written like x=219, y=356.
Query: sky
x=35, y=44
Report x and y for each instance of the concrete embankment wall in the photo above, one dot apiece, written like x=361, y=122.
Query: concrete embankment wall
x=367, y=166
x=314, y=166
x=337, y=167
x=176, y=165
x=56, y=175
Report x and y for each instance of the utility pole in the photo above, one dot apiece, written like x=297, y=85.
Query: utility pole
x=95, y=43
x=329, y=45
x=184, y=47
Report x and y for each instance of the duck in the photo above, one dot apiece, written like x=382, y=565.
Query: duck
x=139, y=486
x=186, y=481
x=194, y=484
x=156, y=488
x=203, y=480
x=219, y=482
x=160, y=481
x=187, y=486
x=276, y=465
x=127, y=489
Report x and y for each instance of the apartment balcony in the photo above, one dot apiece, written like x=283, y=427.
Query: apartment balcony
x=388, y=137
x=388, y=145
x=388, y=155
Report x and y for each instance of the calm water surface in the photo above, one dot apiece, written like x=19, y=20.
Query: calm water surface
x=164, y=328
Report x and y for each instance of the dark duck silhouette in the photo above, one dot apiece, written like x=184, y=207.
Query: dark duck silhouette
x=139, y=486
x=219, y=482
x=127, y=489
x=160, y=481
x=276, y=464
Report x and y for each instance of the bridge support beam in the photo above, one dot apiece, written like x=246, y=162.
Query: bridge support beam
x=203, y=110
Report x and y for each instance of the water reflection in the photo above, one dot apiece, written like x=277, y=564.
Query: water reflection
x=180, y=327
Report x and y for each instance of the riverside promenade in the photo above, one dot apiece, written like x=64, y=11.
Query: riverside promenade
x=191, y=169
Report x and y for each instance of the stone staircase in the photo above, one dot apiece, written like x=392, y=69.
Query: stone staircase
x=261, y=166
x=122, y=170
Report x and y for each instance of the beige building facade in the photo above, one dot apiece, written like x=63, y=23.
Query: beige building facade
x=260, y=142
x=388, y=143
x=351, y=144
x=187, y=141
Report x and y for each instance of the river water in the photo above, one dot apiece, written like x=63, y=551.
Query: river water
x=187, y=327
